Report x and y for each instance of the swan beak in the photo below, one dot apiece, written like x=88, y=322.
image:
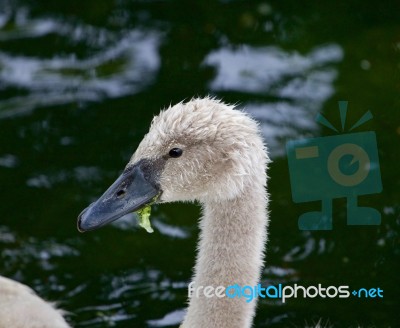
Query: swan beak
x=129, y=193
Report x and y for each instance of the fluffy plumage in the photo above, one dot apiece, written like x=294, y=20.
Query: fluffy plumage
x=20, y=307
x=223, y=166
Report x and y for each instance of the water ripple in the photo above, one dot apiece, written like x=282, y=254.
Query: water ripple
x=301, y=83
x=170, y=319
x=118, y=64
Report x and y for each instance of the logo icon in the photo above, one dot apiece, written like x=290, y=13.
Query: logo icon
x=343, y=165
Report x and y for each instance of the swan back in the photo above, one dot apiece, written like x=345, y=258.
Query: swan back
x=20, y=307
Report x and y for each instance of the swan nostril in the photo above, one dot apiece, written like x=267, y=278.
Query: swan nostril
x=121, y=193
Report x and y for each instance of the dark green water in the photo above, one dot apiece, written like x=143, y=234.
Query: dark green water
x=79, y=84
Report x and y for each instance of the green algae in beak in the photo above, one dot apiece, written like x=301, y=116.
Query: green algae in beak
x=144, y=218
x=143, y=215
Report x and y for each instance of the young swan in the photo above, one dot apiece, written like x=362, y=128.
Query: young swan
x=20, y=307
x=207, y=151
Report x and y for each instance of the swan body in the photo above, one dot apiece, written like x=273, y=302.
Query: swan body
x=205, y=151
x=20, y=307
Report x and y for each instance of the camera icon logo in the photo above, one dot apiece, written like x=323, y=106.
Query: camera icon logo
x=344, y=165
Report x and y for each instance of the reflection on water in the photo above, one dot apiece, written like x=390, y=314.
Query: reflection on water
x=274, y=71
x=8, y=160
x=119, y=63
x=302, y=83
x=128, y=292
x=39, y=256
x=310, y=246
x=17, y=252
x=80, y=174
x=170, y=319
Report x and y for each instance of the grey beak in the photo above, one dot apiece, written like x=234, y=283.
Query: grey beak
x=130, y=192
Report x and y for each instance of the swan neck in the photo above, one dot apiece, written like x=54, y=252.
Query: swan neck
x=232, y=240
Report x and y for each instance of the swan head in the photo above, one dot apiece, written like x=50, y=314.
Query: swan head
x=201, y=150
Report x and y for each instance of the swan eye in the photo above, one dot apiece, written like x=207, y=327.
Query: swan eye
x=175, y=152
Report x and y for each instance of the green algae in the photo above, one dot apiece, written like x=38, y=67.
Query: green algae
x=144, y=218
x=143, y=215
